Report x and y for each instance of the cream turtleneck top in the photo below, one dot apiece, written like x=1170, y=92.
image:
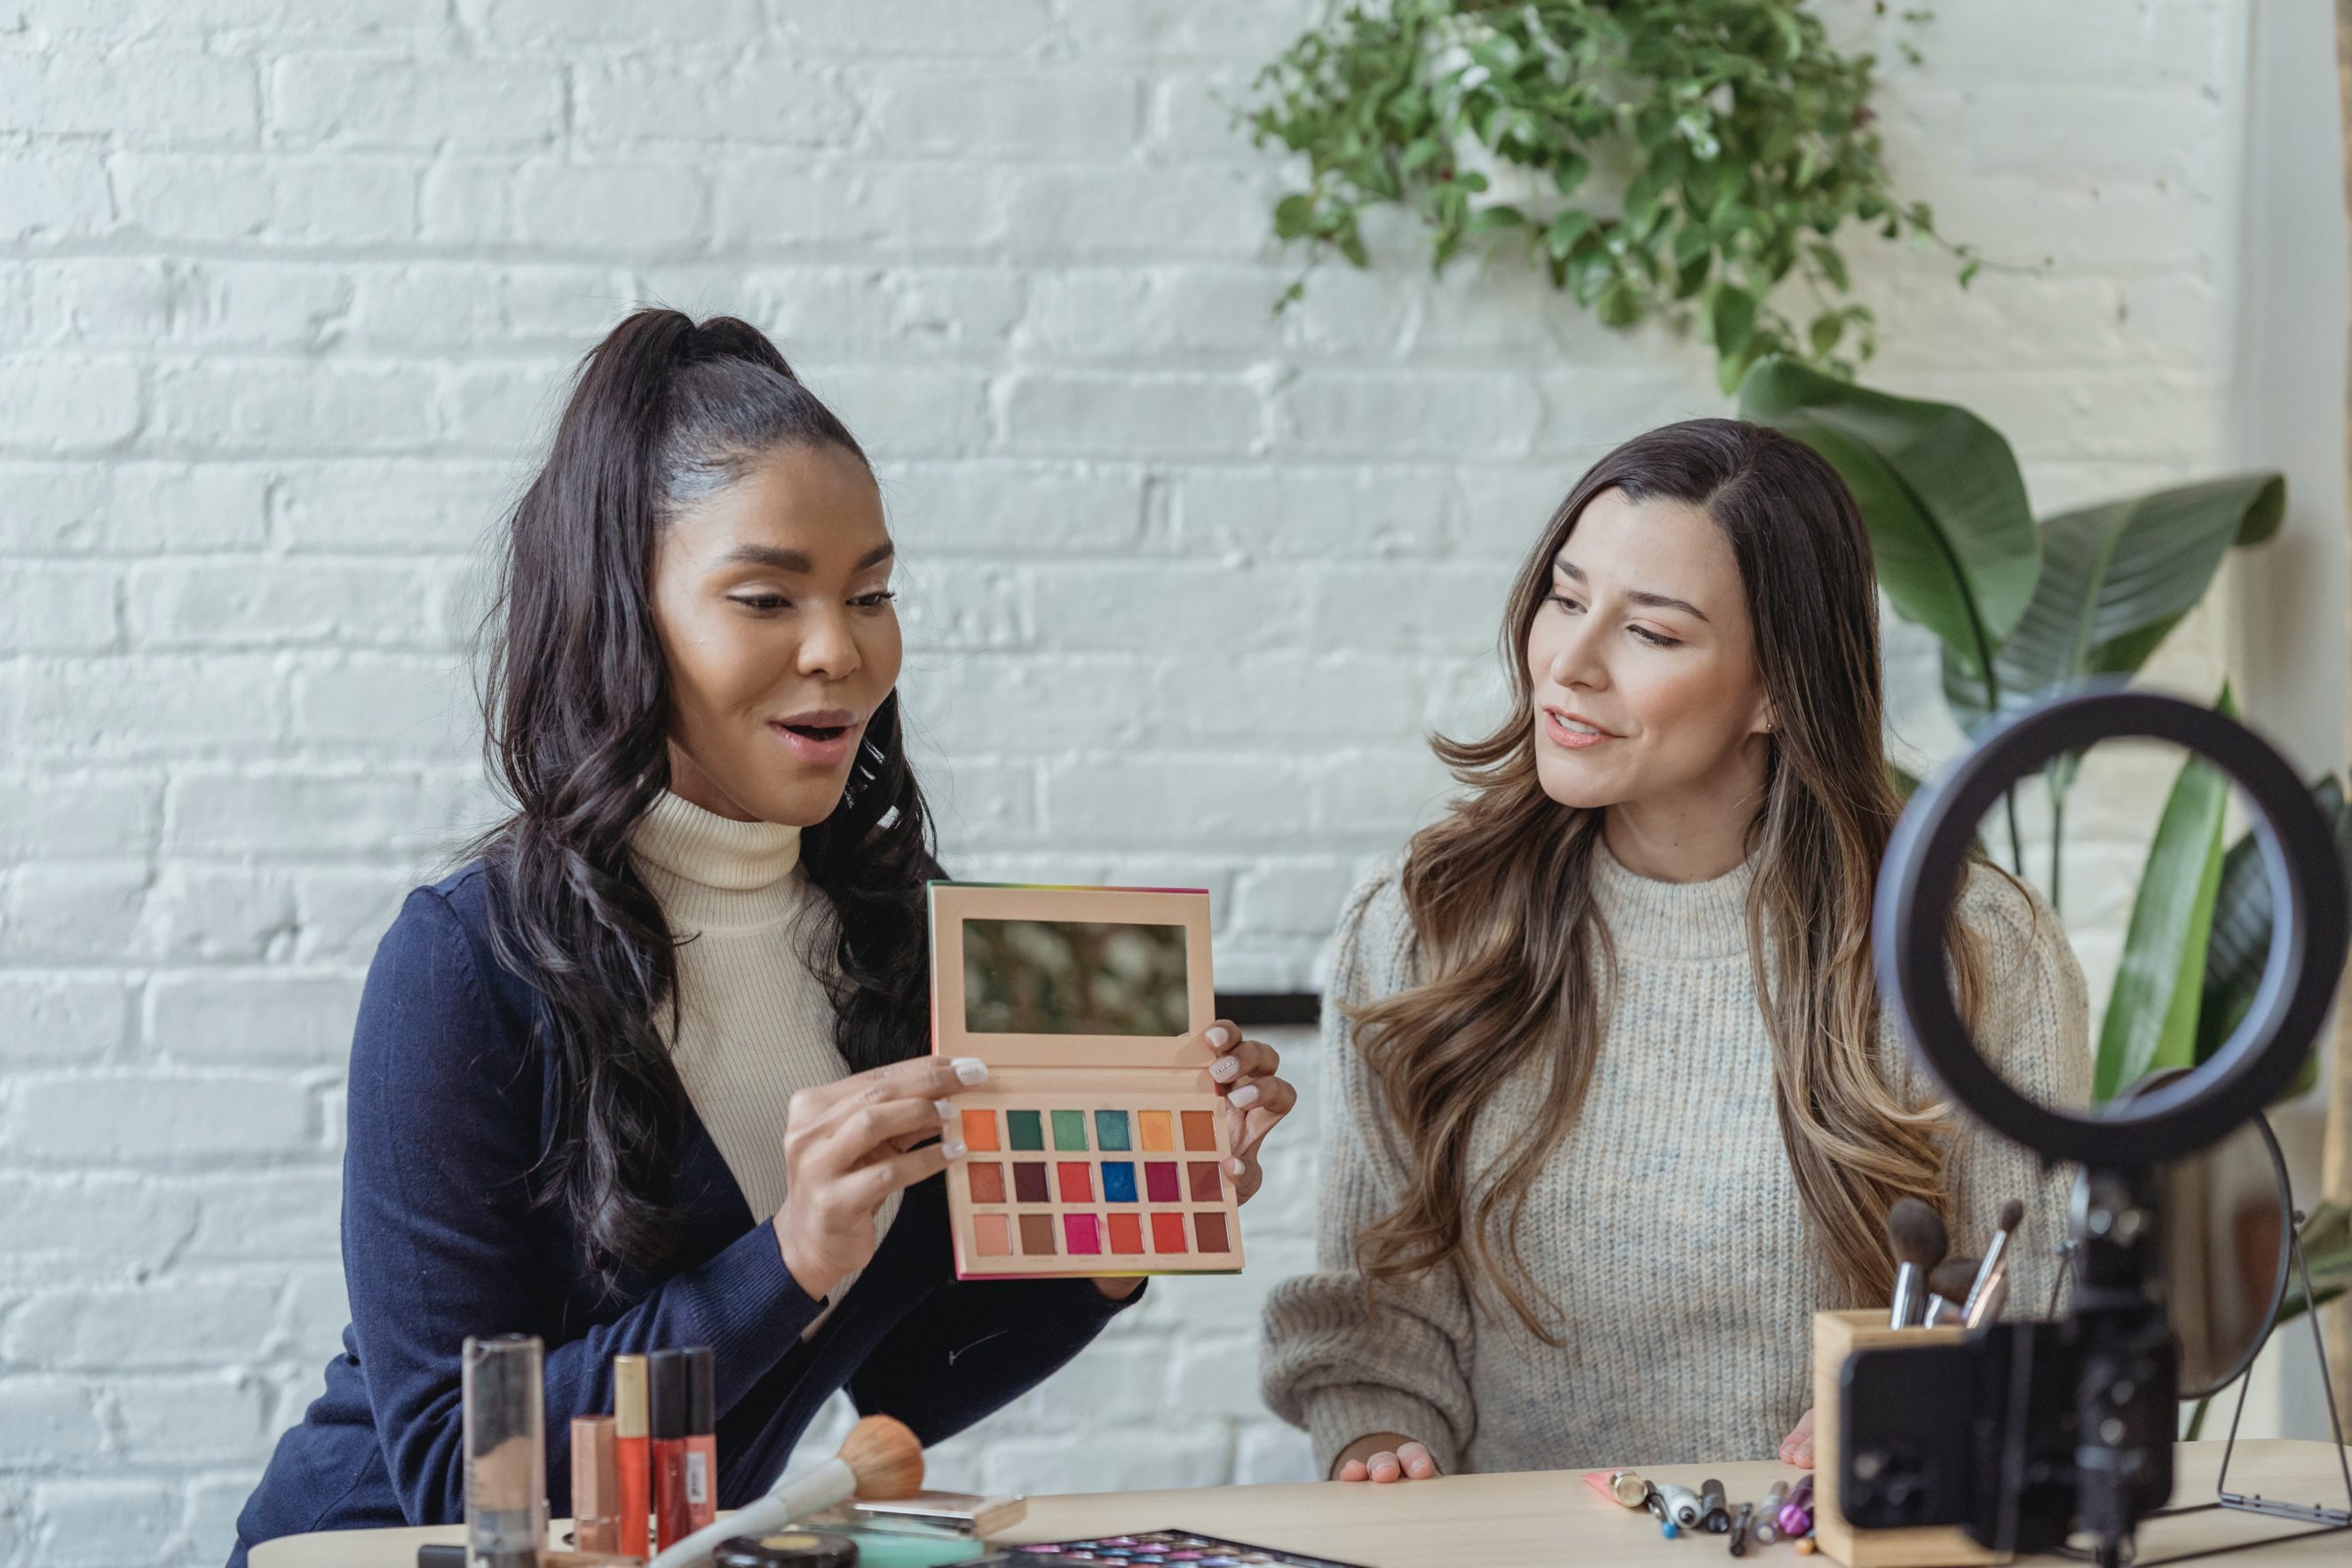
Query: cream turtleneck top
x=1665, y=1229
x=756, y=1021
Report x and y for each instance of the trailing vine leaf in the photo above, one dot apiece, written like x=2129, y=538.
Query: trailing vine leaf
x=1747, y=141
x=2151, y=1021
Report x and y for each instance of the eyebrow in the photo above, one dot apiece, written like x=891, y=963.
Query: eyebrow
x=796, y=560
x=1570, y=569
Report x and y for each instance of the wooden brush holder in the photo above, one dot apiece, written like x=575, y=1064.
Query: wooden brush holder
x=1836, y=1336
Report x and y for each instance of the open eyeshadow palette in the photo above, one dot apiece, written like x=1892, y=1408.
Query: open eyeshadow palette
x=1097, y=1146
x=1160, y=1546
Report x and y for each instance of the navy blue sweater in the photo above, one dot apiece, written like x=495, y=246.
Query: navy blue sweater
x=449, y=1110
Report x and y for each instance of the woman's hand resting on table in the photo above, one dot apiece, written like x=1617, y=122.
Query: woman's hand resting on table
x=1797, y=1447
x=1256, y=1098
x=1382, y=1458
x=848, y=1145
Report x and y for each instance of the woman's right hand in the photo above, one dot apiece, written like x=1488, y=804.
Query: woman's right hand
x=1385, y=1457
x=851, y=1143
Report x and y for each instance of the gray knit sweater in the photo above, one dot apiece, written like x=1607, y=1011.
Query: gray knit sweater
x=1666, y=1226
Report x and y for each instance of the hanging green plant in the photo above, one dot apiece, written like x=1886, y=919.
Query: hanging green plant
x=1682, y=158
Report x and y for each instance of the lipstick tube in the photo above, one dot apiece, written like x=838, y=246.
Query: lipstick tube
x=666, y=1396
x=702, y=1435
x=632, y=1451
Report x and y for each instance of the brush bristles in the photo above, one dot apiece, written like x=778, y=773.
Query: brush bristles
x=885, y=1457
x=2012, y=1215
x=1953, y=1279
x=1917, y=1234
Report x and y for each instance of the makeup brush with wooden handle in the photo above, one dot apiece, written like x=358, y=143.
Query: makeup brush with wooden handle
x=879, y=1461
x=1915, y=1232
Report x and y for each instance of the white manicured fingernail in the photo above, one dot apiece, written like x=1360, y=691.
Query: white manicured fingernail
x=1234, y=1167
x=945, y=1108
x=1246, y=1095
x=1224, y=1069
x=952, y=1148
x=1221, y=1036
x=970, y=1070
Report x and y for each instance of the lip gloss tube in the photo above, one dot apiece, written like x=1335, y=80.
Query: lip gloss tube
x=632, y=1450
x=665, y=1394
x=702, y=1435
x=595, y=1485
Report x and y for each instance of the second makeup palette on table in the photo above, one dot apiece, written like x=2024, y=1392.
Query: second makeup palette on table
x=1097, y=1146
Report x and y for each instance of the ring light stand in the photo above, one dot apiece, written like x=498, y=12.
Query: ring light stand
x=2026, y=1432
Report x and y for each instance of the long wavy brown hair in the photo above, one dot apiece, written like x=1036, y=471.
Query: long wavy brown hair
x=1515, y=959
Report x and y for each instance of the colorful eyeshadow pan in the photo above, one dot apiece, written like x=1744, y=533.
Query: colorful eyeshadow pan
x=1026, y=1128
x=1110, y=1131
x=1083, y=1232
x=1118, y=1181
x=1037, y=1234
x=987, y=1179
x=1173, y=1546
x=1200, y=1130
x=1168, y=1233
x=1210, y=1230
x=1127, y=1233
x=994, y=1233
x=1159, y=1181
x=1206, y=1188
x=1077, y=1182
x=1159, y=1130
x=1070, y=1132
x=1029, y=1182
x=980, y=1130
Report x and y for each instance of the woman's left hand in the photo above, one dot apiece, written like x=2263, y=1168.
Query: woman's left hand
x=1797, y=1447
x=1256, y=1100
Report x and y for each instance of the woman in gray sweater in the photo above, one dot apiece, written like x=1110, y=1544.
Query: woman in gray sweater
x=1613, y=1108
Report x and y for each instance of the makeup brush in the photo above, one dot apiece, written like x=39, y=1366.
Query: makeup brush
x=1995, y=1271
x=1948, y=1284
x=1916, y=1235
x=879, y=1460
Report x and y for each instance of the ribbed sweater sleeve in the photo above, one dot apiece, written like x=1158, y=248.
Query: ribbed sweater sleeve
x=1332, y=1362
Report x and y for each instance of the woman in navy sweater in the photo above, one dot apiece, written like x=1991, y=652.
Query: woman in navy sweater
x=650, y=1070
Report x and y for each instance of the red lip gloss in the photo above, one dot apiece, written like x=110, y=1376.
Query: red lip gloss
x=632, y=1448
x=702, y=1435
x=665, y=1382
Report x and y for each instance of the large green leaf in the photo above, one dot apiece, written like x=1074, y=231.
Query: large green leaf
x=2114, y=579
x=2151, y=1020
x=2240, y=940
x=1939, y=491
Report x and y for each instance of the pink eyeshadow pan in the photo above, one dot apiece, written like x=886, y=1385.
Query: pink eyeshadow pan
x=1083, y=1234
x=995, y=1235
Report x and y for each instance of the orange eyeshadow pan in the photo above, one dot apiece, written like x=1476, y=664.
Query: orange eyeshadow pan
x=1200, y=1130
x=980, y=1130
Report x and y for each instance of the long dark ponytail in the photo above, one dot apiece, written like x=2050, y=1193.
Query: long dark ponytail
x=576, y=710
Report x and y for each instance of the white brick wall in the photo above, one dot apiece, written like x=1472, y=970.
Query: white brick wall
x=287, y=291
